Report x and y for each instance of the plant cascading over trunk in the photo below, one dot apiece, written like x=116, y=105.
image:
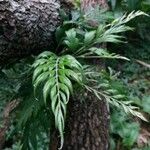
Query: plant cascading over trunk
x=57, y=72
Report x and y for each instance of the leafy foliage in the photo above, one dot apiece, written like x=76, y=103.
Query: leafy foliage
x=127, y=130
x=55, y=72
x=134, y=75
x=137, y=89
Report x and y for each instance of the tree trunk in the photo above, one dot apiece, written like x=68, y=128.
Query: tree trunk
x=27, y=26
x=88, y=122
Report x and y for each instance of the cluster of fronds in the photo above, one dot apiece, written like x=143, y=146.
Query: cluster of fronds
x=55, y=74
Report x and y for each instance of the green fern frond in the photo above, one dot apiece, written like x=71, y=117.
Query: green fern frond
x=95, y=52
x=103, y=88
x=116, y=101
x=126, y=18
x=56, y=74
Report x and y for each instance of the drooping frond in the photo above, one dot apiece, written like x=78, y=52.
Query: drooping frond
x=56, y=75
x=103, y=88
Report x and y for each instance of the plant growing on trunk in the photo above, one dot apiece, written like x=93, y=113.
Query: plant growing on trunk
x=57, y=71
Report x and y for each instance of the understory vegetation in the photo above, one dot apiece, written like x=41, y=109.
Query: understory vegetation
x=40, y=87
x=129, y=132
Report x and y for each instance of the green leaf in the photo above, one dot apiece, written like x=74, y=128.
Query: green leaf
x=73, y=45
x=71, y=40
x=100, y=30
x=71, y=34
x=66, y=81
x=119, y=96
x=47, y=87
x=71, y=62
x=73, y=75
x=39, y=62
x=102, y=53
x=53, y=92
x=65, y=89
x=63, y=96
x=45, y=55
x=54, y=103
x=99, y=51
x=130, y=134
x=37, y=71
x=40, y=79
x=89, y=36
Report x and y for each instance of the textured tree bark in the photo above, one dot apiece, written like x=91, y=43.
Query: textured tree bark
x=88, y=122
x=27, y=26
x=88, y=125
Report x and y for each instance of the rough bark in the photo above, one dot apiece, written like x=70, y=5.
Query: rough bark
x=27, y=25
x=88, y=122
